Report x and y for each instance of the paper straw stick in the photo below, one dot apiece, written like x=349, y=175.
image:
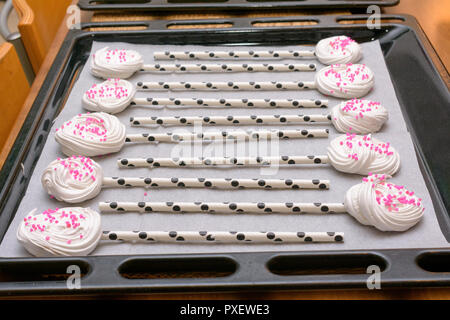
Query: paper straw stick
x=215, y=183
x=77, y=179
x=224, y=207
x=235, y=54
x=227, y=135
x=221, y=161
x=226, y=86
x=228, y=67
x=115, y=95
x=77, y=231
x=100, y=133
x=123, y=63
x=237, y=237
x=230, y=120
x=231, y=103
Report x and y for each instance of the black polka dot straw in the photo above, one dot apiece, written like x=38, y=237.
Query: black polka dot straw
x=234, y=55
x=77, y=179
x=151, y=162
x=224, y=207
x=331, y=50
x=230, y=120
x=215, y=183
x=227, y=86
x=100, y=133
x=79, y=233
x=237, y=135
x=235, y=237
x=115, y=95
x=230, y=67
x=232, y=103
x=108, y=72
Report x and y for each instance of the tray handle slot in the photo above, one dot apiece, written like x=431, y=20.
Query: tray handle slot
x=329, y=264
x=285, y=23
x=115, y=26
x=179, y=267
x=204, y=24
x=117, y=2
x=32, y=270
x=363, y=19
x=436, y=262
x=196, y=1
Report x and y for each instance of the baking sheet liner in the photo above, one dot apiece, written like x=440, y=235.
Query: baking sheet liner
x=426, y=234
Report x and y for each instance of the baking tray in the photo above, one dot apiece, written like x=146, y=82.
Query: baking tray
x=420, y=81
x=168, y=5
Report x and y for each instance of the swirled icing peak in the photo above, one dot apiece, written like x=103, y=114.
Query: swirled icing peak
x=109, y=63
x=353, y=153
x=359, y=116
x=60, y=232
x=384, y=205
x=111, y=96
x=339, y=49
x=345, y=80
x=73, y=180
x=91, y=134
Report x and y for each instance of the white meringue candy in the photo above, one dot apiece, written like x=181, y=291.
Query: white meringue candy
x=115, y=63
x=359, y=116
x=338, y=49
x=386, y=206
x=91, y=134
x=73, y=180
x=60, y=232
x=345, y=80
x=353, y=153
x=111, y=96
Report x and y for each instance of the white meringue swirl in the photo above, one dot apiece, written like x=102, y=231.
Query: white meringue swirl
x=345, y=80
x=386, y=206
x=359, y=116
x=111, y=96
x=338, y=49
x=115, y=63
x=91, y=134
x=352, y=153
x=73, y=180
x=60, y=232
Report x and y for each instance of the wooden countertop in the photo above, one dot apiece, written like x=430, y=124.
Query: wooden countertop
x=434, y=17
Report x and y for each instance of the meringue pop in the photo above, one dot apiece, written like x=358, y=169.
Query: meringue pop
x=77, y=232
x=78, y=178
x=122, y=63
x=115, y=95
x=355, y=116
x=384, y=205
x=100, y=133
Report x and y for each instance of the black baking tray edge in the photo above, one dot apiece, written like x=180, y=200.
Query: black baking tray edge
x=168, y=5
x=421, y=83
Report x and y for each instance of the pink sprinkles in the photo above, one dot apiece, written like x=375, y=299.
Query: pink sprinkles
x=111, y=89
x=351, y=139
x=360, y=107
x=67, y=220
x=340, y=44
x=79, y=167
x=343, y=78
x=118, y=56
x=87, y=126
x=396, y=196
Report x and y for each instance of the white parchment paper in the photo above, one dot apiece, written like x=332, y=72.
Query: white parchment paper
x=426, y=234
